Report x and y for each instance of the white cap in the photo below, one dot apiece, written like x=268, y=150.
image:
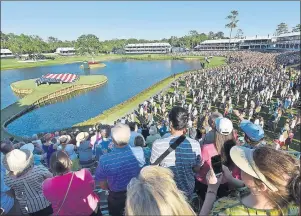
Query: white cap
x=223, y=126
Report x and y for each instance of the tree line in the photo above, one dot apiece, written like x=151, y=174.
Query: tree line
x=90, y=44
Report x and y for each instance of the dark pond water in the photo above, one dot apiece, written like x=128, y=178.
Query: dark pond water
x=125, y=79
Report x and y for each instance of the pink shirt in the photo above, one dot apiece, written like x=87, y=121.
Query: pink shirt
x=80, y=199
x=208, y=151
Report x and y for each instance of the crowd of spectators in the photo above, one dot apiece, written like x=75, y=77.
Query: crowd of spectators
x=157, y=160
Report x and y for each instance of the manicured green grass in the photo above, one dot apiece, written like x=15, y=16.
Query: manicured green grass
x=110, y=115
x=44, y=89
x=7, y=64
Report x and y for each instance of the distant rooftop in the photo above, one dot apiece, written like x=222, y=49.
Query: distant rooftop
x=5, y=51
x=289, y=34
x=148, y=44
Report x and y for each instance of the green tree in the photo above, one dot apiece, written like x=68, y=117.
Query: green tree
x=282, y=28
x=239, y=34
x=297, y=28
x=211, y=35
x=220, y=35
x=88, y=44
x=232, y=22
x=4, y=40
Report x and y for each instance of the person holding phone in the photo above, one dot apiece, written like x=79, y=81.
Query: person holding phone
x=270, y=184
x=217, y=153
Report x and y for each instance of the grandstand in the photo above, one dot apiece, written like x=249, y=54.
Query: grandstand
x=262, y=42
x=288, y=41
x=65, y=51
x=220, y=44
x=144, y=48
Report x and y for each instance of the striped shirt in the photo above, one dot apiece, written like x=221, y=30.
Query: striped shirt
x=180, y=161
x=28, y=189
x=117, y=168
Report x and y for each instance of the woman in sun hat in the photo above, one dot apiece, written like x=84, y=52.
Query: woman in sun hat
x=270, y=184
x=223, y=141
x=25, y=179
x=70, y=150
x=85, y=152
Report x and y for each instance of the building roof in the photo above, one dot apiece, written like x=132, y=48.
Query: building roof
x=233, y=40
x=65, y=49
x=257, y=38
x=5, y=51
x=289, y=34
x=148, y=44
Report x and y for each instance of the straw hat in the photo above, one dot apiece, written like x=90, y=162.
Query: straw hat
x=82, y=136
x=18, y=160
x=65, y=139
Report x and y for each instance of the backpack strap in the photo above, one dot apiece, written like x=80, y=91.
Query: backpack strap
x=171, y=148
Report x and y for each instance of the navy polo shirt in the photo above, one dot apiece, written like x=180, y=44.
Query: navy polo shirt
x=117, y=168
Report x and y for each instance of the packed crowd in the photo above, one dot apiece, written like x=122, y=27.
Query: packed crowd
x=181, y=131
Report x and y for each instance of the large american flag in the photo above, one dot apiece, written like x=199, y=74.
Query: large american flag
x=66, y=77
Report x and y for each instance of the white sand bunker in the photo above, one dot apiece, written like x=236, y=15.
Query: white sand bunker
x=41, y=60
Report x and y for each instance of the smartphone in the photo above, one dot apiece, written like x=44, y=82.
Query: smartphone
x=216, y=163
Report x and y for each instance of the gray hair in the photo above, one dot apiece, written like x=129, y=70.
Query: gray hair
x=153, y=130
x=121, y=134
x=213, y=117
x=34, y=137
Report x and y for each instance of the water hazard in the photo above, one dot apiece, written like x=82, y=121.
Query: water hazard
x=126, y=78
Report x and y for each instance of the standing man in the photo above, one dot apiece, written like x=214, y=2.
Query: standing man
x=115, y=170
x=185, y=159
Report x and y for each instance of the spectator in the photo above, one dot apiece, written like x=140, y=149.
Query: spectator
x=145, y=131
x=144, y=157
x=85, y=153
x=220, y=146
x=185, y=158
x=115, y=170
x=134, y=128
x=209, y=137
x=163, y=129
x=153, y=136
x=70, y=150
x=70, y=192
x=97, y=137
x=254, y=134
x=154, y=192
x=26, y=180
x=105, y=145
x=48, y=146
x=7, y=202
x=36, y=158
x=273, y=184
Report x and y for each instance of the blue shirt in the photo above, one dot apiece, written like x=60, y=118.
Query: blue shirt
x=118, y=168
x=103, y=147
x=132, y=138
x=6, y=201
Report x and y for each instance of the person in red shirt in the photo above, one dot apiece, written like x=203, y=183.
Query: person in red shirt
x=70, y=193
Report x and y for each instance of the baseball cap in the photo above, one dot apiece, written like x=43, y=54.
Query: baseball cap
x=223, y=125
x=243, y=158
x=253, y=131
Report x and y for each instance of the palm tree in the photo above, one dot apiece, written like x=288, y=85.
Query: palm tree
x=233, y=23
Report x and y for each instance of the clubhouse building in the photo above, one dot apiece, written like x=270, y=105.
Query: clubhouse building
x=65, y=51
x=148, y=48
x=289, y=41
x=6, y=53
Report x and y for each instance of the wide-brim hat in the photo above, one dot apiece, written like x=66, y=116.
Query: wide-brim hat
x=28, y=146
x=243, y=158
x=18, y=160
x=65, y=139
x=82, y=136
